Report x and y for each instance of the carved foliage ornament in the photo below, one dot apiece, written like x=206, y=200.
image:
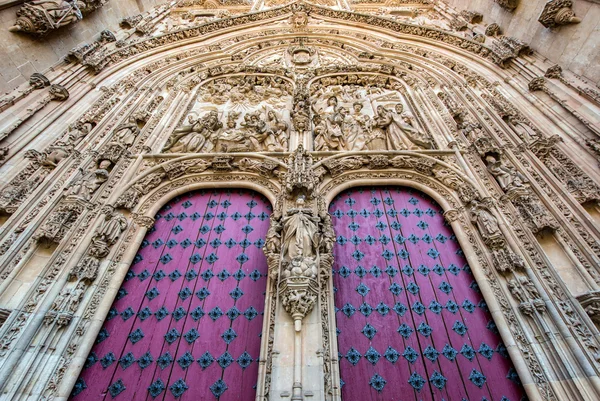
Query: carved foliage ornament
x=558, y=12
x=41, y=16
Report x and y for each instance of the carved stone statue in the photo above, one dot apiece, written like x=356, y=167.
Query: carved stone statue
x=88, y=184
x=400, y=134
x=41, y=16
x=524, y=131
x=332, y=137
x=507, y=177
x=198, y=136
x=279, y=130
x=356, y=127
x=111, y=228
x=486, y=223
x=300, y=232
x=126, y=133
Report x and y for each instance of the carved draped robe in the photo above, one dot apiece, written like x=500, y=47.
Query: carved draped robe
x=300, y=234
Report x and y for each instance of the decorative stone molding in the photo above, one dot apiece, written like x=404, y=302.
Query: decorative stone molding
x=557, y=13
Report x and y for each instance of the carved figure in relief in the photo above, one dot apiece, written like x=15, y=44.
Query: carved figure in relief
x=261, y=135
x=507, y=177
x=279, y=130
x=356, y=126
x=400, y=134
x=111, y=228
x=126, y=133
x=56, y=153
x=300, y=232
x=39, y=16
x=232, y=139
x=524, y=131
x=198, y=136
x=332, y=137
x=486, y=222
x=88, y=184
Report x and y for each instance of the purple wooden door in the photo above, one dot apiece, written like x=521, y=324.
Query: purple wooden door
x=187, y=321
x=412, y=324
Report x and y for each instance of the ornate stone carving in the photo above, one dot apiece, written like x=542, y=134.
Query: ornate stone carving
x=61, y=221
x=85, y=187
x=524, y=292
x=558, y=12
x=107, y=234
x=493, y=29
x=590, y=301
x=508, y=4
x=487, y=224
x=300, y=177
x=42, y=16
x=38, y=81
x=537, y=84
x=506, y=261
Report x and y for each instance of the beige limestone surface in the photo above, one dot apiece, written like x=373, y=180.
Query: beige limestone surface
x=574, y=47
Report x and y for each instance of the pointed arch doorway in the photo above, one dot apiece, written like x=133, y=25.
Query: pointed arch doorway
x=411, y=322
x=187, y=321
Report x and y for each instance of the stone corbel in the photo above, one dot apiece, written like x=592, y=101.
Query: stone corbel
x=40, y=17
x=509, y=5
x=557, y=13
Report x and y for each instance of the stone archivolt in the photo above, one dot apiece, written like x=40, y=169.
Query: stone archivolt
x=312, y=102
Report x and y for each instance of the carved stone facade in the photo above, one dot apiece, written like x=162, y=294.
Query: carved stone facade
x=299, y=101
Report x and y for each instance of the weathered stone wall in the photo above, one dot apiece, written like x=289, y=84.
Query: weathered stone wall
x=22, y=54
x=572, y=46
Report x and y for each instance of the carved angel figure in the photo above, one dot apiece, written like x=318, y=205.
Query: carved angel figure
x=40, y=16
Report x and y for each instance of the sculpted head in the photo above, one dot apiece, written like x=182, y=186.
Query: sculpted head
x=332, y=101
x=399, y=108
x=357, y=107
x=490, y=159
x=104, y=164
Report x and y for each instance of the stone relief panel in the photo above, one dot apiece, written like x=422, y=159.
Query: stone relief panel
x=364, y=117
x=236, y=114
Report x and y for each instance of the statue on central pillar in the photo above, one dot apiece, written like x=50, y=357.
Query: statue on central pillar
x=300, y=241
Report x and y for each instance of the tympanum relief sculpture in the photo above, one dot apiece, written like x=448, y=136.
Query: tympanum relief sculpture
x=236, y=114
x=359, y=118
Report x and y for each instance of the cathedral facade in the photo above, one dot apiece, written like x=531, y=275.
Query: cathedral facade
x=300, y=200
